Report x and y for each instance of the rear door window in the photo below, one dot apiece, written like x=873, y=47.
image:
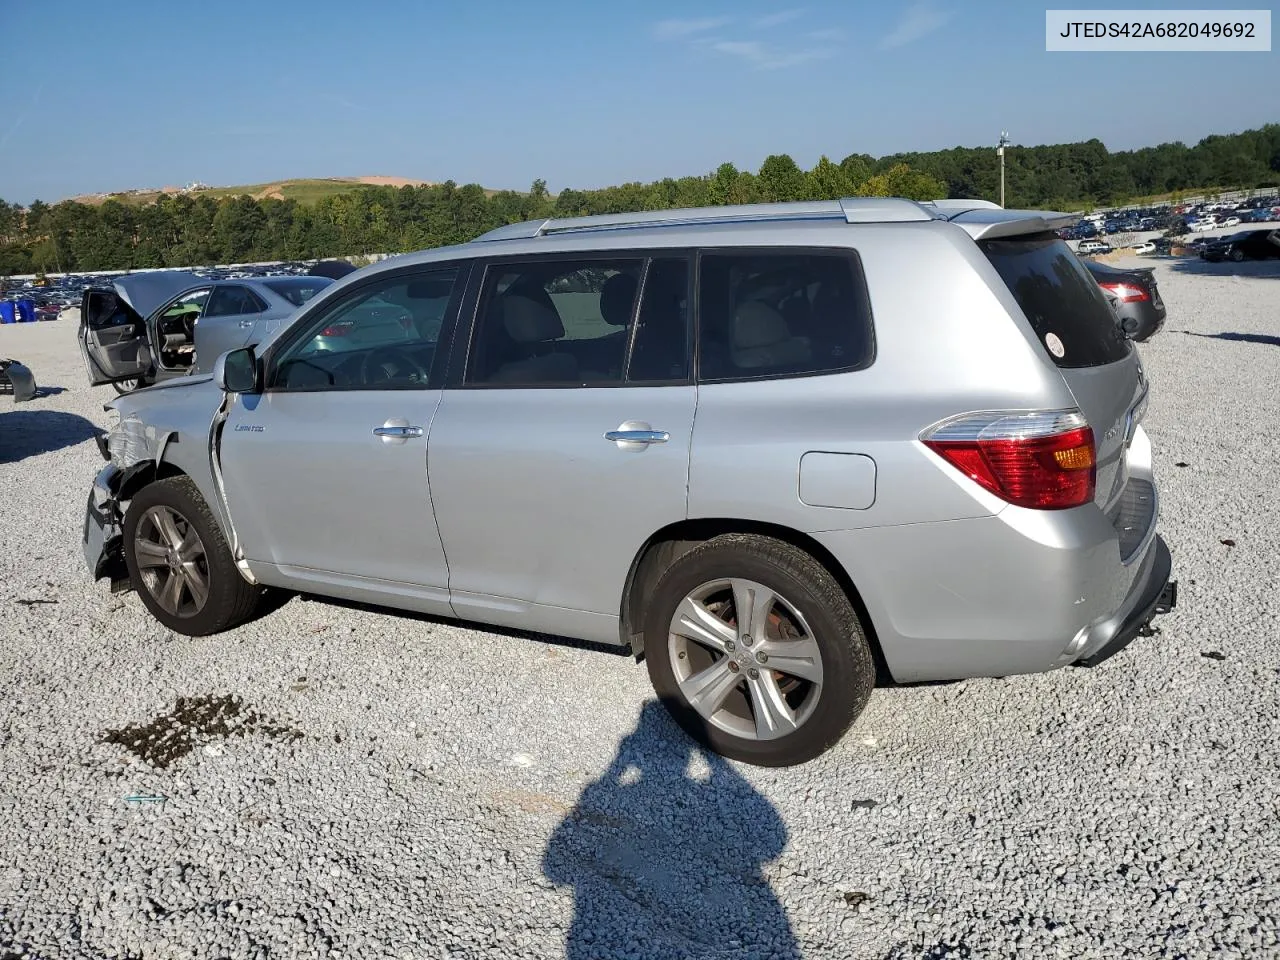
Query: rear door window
x=1064, y=305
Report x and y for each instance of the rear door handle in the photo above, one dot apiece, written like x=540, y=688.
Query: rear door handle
x=635, y=435
x=246, y=324
x=392, y=432
x=638, y=436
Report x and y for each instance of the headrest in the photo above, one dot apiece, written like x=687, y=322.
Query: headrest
x=528, y=321
x=756, y=324
x=616, y=299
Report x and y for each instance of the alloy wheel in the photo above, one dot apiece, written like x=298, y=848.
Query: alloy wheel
x=745, y=659
x=172, y=561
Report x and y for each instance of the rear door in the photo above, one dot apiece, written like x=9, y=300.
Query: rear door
x=563, y=443
x=113, y=338
x=229, y=320
x=1077, y=330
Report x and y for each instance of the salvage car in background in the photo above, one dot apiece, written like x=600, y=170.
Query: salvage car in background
x=1137, y=301
x=1246, y=245
x=147, y=327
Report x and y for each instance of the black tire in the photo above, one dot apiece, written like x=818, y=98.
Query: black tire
x=848, y=670
x=128, y=386
x=231, y=599
x=1237, y=255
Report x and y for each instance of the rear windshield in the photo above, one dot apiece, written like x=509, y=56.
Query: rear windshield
x=1062, y=301
x=298, y=290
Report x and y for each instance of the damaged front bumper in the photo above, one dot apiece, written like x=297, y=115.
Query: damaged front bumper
x=17, y=379
x=104, y=529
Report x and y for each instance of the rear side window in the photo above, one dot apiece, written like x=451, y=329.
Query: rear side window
x=1063, y=303
x=781, y=314
x=298, y=290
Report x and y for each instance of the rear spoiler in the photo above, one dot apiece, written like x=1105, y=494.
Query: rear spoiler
x=984, y=220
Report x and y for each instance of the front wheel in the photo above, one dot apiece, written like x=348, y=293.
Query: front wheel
x=128, y=386
x=180, y=564
x=756, y=650
x=1237, y=255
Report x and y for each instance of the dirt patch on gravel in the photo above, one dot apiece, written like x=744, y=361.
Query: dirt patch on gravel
x=194, y=721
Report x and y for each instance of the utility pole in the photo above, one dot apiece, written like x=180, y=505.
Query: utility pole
x=1004, y=142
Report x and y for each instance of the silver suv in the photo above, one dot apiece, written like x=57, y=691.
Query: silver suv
x=776, y=451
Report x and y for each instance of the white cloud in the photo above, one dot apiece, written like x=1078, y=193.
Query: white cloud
x=918, y=21
x=762, y=56
x=683, y=29
x=777, y=19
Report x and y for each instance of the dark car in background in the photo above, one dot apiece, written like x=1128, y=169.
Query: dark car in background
x=1134, y=296
x=1246, y=245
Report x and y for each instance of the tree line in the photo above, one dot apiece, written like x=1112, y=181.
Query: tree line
x=197, y=228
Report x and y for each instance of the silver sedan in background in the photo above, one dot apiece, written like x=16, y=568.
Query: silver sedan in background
x=146, y=327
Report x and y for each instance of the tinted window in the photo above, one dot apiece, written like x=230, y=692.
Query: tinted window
x=766, y=315
x=298, y=290
x=554, y=322
x=231, y=301
x=660, y=350
x=1064, y=305
x=381, y=336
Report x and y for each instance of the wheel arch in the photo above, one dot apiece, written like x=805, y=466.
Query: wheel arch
x=674, y=540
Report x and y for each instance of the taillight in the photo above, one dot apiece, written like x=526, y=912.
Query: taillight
x=1044, y=459
x=1126, y=292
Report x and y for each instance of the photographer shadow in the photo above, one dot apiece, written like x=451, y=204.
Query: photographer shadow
x=665, y=863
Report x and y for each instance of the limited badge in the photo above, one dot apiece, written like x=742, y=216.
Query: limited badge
x=1055, y=345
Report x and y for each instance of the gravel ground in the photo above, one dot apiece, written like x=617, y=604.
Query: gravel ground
x=343, y=782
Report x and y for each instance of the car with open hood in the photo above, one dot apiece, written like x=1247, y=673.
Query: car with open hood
x=145, y=327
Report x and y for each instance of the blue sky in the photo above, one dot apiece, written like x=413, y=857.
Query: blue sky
x=142, y=94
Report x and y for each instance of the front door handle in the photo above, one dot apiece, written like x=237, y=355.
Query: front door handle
x=246, y=324
x=636, y=435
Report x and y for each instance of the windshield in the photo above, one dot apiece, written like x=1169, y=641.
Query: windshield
x=297, y=290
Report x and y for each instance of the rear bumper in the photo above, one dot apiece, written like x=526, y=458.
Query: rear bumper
x=1154, y=593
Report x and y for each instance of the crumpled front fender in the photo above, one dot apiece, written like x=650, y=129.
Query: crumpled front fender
x=104, y=529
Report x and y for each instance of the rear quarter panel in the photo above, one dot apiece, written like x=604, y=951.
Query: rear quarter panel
x=944, y=344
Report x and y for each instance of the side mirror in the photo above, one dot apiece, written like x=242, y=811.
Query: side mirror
x=236, y=371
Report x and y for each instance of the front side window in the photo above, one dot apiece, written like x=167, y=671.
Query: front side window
x=545, y=323
x=380, y=336
x=781, y=314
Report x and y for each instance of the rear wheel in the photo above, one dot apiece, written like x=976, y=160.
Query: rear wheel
x=756, y=650
x=180, y=563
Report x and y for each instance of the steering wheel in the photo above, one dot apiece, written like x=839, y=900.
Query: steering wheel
x=387, y=364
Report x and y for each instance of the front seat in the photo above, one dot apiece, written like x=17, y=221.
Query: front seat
x=761, y=339
x=534, y=329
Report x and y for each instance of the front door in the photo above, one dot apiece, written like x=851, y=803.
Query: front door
x=113, y=338
x=566, y=444
x=325, y=471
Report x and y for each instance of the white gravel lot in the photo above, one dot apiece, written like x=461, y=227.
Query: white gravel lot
x=402, y=787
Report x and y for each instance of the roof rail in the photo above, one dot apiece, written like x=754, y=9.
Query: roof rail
x=850, y=210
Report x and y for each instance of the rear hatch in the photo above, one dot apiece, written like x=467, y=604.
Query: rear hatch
x=1078, y=332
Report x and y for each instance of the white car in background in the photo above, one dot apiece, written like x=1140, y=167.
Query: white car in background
x=1145, y=247
x=1231, y=222
x=1200, y=226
